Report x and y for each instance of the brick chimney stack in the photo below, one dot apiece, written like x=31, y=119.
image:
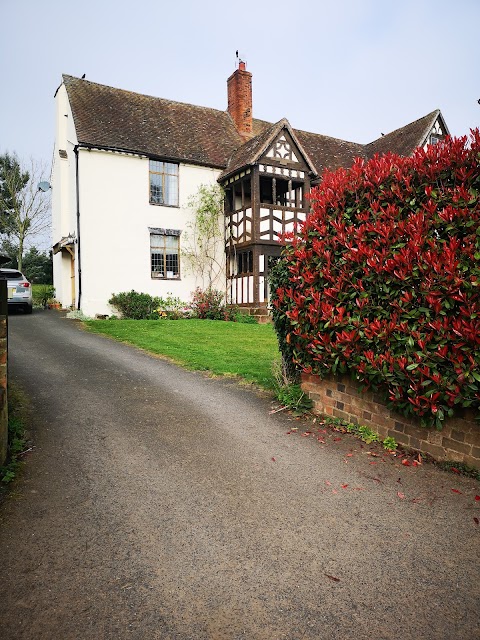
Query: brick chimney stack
x=240, y=100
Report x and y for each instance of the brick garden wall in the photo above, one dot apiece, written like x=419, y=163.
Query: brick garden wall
x=3, y=371
x=459, y=439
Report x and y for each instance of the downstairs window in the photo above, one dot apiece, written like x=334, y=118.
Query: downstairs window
x=165, y=254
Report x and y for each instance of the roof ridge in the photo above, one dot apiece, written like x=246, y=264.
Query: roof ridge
x=435, y=113
x=322, y=135
x=144, y=95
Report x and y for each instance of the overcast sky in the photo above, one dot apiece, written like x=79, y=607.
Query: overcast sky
x=351, y=69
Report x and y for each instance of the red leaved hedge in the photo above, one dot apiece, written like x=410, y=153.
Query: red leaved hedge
x=384, y=279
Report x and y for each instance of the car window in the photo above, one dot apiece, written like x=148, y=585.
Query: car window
x=11, y=275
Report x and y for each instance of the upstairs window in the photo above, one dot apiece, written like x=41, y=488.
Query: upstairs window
x=281, y=192
x=163, y=183
x=165, y=255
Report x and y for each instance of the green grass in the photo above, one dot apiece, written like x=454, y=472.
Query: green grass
x=224, y=348
x=17, y=420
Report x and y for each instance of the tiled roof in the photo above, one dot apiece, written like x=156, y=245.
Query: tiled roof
x=250, y=150
x=404, y=140
x=328, y=153
x=117, y=119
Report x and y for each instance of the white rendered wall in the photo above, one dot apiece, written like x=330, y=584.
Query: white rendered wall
x=115, y=216
x=63, y=194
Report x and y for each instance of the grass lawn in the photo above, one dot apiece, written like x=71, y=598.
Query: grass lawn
x=224, y=348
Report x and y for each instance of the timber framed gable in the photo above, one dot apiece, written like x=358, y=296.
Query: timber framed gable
x=263, y=202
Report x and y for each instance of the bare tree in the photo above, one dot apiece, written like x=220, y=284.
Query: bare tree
x=24, y=209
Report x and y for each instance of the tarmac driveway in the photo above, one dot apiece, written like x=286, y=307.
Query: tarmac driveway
x=161, y=504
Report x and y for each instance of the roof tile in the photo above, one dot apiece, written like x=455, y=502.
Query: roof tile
x=117, y=119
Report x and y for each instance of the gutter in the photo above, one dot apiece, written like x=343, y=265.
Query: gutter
x=153, y=156
x=79, y=255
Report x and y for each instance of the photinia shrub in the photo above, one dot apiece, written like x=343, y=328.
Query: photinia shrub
x=384, y=279
x=207, y=304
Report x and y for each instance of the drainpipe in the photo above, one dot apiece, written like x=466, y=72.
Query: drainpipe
x=79, y=255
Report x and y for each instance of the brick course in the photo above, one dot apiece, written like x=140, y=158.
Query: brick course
x=336, y=396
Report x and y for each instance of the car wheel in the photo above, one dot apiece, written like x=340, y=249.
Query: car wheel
x=28, y=308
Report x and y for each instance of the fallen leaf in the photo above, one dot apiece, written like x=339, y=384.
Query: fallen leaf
x=321, y=440
x=400, y=494
x=399, y=481
x=337, y=439
x=454, y=469
x=329, y=484
x=334, y=491
x=344, y=486
x=456, y=491
x=372, y=453
x=477, y=497
x=374, y=462
x=476, y=521
x=332, y=578
x=406, y=463
x=349, y=455
x=274, y=459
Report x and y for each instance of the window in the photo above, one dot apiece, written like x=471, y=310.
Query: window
x=163, y=183
x=434, y=139
x=164, y=254
x=281, y=192
x=245, y=262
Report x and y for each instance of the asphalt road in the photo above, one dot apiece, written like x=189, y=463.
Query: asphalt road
x=161, y=504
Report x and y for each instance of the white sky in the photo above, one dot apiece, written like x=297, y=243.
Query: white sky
x=346, y=68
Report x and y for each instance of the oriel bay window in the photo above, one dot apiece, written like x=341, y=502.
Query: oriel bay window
x=163, y=183
x=165, y=253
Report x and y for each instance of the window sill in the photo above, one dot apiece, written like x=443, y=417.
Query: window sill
x=162, y=204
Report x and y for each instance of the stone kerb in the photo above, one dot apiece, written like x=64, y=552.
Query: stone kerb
x=339, y=397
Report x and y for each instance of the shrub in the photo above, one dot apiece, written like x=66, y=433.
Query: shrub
x=208, y=304
x=279, y=280
x=42, y=293
x=384, y=279
x=171, y=308
x=133, y=305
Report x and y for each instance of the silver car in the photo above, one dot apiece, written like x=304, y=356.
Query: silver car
x=19, y=290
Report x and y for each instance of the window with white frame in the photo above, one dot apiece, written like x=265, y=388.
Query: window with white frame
x=163, y=183
x=165, y=254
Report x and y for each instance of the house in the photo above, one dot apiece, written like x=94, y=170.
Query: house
x=125, y=166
